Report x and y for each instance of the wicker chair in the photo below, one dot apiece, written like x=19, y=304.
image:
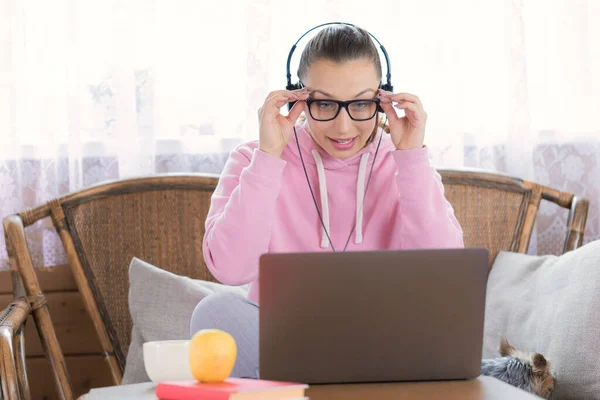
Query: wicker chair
x=161, y=220
x=498, y=211
x=158, y=219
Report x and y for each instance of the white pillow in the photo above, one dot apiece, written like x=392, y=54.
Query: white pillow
x=161, y=305
x=550, y=305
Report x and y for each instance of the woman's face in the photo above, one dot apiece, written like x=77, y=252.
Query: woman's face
x=351, y=80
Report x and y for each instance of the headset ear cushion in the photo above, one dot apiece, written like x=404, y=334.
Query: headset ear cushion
x=292, y=86
x=387, y=87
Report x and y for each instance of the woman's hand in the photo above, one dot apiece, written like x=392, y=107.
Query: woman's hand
x=407, y=132
x=276, y=129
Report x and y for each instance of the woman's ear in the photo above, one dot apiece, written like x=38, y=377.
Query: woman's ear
x=383, y=123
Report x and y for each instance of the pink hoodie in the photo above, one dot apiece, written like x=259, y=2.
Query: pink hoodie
x=262, y=204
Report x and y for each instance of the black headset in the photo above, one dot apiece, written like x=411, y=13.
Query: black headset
x=294, y=86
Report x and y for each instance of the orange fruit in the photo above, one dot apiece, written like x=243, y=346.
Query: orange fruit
x=212, y=355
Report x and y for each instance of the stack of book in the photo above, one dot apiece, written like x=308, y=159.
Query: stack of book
x=231, y=389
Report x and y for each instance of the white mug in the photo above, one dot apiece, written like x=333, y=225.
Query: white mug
x=167, y=360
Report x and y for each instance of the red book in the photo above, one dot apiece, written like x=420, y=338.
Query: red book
x=231, y=389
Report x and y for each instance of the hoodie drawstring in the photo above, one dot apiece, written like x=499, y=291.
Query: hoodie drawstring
x=360, y=196
x=323, y=194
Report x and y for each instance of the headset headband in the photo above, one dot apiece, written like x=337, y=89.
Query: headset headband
x=388, y=85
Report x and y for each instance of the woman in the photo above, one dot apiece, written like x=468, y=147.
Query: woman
x=263, y=203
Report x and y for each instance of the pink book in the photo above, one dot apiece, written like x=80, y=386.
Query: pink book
x=231, y=389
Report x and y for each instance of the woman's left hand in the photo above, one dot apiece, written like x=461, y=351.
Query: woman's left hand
x=407, y=132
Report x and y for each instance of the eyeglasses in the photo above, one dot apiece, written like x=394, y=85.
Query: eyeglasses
x=327, y=110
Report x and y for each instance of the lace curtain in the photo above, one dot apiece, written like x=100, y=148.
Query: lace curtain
x=96, y=90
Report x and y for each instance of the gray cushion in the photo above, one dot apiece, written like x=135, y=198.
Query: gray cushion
x=550, y=305
x=161, y=306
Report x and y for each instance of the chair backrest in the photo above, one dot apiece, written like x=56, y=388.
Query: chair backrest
x=159, y=220
x=498, y=211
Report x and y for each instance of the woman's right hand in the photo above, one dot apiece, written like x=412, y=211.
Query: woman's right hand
x=276, y=129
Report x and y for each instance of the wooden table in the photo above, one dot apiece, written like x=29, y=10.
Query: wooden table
x=482, y=388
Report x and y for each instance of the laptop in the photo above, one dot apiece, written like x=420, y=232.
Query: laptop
x=378, y=316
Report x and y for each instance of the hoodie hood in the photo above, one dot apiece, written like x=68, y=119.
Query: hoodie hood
x=315, y=155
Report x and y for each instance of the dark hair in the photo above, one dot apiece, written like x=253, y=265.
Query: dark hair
x=339, y=43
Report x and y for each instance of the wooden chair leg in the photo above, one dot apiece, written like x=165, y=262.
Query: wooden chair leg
x=19, y=340
x=8, y=371
x=576, y=223
x=27, y=281
x=19, y=348
x=45, y=329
